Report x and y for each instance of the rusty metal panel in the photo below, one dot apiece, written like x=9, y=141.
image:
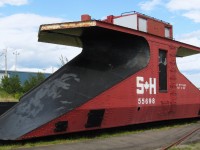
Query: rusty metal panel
x=67, y=25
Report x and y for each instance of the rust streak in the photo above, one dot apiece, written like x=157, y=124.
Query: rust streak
x=68, y=25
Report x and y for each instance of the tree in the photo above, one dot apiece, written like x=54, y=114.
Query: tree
x=63, y=60
x=33, y=81
x=11, y=85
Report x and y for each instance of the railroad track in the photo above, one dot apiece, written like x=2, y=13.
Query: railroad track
x=161, y=139
x=183, y=138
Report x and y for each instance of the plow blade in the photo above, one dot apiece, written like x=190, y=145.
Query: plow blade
x=107, y=58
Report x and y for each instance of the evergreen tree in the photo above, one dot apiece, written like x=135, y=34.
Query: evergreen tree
x=11, y=85
x=33, y=81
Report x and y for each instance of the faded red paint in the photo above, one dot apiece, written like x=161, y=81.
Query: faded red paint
x=182, y=99
x=85, y=17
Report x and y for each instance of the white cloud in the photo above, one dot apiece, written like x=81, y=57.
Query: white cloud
x=193, y=15
x=20, y=32
x=189, y=66
x=25, y=21
x=192, y=38
x=194, y=78
x=45, y=70
x=190, y=8
x=149, y=5
x=13, y=2
x=183, y=4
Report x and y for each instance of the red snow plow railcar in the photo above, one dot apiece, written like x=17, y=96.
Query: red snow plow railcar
x=126, y=74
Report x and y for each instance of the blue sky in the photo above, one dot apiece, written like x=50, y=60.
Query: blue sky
x=71, y=10
x=20, y=20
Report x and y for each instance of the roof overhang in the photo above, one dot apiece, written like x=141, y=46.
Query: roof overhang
x=185, y=51
x=72, y=33
x=64, y=33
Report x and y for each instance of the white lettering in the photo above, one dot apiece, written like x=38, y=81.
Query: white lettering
x=140, y=85
x=142, y=100
x=153, y=101
x=149, y=100
x=146, y=101
x=181, y=86
x=145, y=86
x=152, y=85
x=139, y=101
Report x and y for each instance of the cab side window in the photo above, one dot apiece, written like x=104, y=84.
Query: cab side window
x=162, y=70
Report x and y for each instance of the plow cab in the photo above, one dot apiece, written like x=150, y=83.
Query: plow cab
x=113, y=50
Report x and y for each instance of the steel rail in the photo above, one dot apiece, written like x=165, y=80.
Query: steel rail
x=181, y=139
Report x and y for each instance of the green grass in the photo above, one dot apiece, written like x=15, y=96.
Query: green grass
x=5, y=97
x=195, y=146
x=91, y=135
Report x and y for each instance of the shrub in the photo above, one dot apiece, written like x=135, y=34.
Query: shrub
x=11, y=85
x=33, y=81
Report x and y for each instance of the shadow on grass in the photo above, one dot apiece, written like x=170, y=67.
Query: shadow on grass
x=101, y=133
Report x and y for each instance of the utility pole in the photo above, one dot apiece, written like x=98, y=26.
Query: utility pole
x=1, y=54
x=16, y=54
x=52, y=69
x=5, y=53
